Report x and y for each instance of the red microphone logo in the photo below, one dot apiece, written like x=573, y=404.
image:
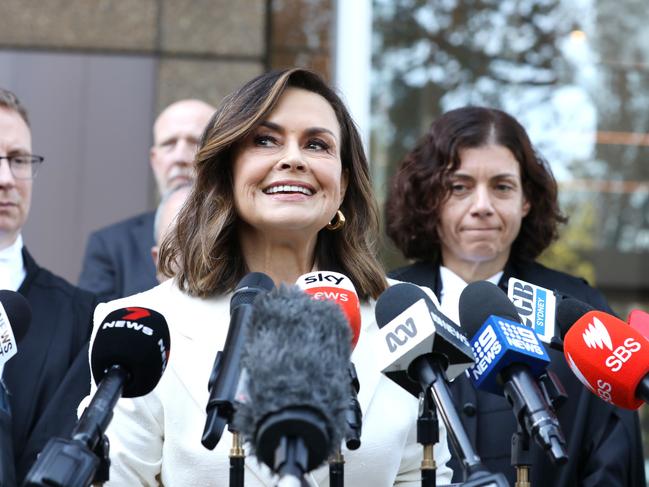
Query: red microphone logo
x=335, y=287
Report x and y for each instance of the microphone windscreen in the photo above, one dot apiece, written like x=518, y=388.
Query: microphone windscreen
x=569, y=310
x=296, y=354
x=395, y=299
x=18, y=312
x=136, y=339
x=481, y=299
x=335, y=287
x=608, y=356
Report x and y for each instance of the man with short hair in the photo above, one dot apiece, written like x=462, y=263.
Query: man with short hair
x=117, y=262
x=49, y=375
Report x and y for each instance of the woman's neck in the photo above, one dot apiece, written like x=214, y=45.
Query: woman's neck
x=283, y=259
x=471, y=271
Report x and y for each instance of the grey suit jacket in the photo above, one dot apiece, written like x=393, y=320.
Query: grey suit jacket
x=118, y=261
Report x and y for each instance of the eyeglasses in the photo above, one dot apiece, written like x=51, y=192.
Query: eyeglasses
x=23, y=167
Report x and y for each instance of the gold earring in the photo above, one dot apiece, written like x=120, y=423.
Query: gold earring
x=337, y=222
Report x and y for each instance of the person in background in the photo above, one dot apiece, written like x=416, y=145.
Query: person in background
x=474, y=201
x=165, y=217
x=49, y=375
x=282, y=188
x=117, y=260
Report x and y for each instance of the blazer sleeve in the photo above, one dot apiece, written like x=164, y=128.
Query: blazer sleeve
x=98, y=272
x=136, y=438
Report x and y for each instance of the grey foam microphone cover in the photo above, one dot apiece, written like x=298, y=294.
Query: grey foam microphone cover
x=296, y=355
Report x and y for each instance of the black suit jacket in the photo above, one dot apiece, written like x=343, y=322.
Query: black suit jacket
x=603, y=441
x=118, y=259
x=49, y=375
x=7, y=469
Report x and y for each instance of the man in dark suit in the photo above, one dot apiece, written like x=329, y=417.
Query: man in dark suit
x=118, y=261
x=49, y=375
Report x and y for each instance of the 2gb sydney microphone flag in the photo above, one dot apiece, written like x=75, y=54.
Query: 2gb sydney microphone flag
x=536, y=308
x=609, y=357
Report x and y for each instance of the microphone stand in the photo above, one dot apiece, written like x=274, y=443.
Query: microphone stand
x=237, y=458
x=337, y=469
x=427, y=436
x=354, y=418
x=520, y=457
x=431, y=377
x=84, y=458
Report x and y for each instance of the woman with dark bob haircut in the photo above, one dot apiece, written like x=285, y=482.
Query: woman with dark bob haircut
x=282, y=188
x=474, y=201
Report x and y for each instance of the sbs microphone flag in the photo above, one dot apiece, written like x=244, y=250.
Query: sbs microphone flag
x=609, y=357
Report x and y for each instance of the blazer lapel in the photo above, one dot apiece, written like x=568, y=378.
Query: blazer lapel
x=198, y=328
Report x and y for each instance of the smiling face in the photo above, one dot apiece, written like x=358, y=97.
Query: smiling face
x=483, y=213
x=15, y=194
x=288, y=176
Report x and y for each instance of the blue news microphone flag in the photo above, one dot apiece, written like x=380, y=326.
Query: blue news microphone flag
x=509, y=360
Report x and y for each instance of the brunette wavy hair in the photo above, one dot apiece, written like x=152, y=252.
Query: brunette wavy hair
x=203, y=251
x=421, y=184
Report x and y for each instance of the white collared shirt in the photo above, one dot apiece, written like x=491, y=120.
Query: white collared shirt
x=12, y=266
x=452, y=287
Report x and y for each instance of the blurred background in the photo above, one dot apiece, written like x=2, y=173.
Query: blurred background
x=95, y=73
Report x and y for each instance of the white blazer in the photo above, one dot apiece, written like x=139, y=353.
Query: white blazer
x=156, y=439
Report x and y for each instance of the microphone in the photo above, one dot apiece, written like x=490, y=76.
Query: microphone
x=610, y=358
x=418, y=348
x=340, y=289
x=295, y=389
x=639, y=321
x=509, y=359
x=410, y=326
x=128, y=357
x=15, y=317
x=335, y=287
x=226, y=370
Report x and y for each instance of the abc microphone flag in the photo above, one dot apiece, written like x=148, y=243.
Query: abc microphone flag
x=610, y=358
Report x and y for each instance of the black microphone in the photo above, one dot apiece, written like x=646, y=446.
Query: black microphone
x=422, y=348
x=510, y=358
x=226, y=370
x=15, y=317
x=295, y=389
x=128, y=357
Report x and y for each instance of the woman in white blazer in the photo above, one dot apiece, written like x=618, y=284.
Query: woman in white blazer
x=282, y=188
